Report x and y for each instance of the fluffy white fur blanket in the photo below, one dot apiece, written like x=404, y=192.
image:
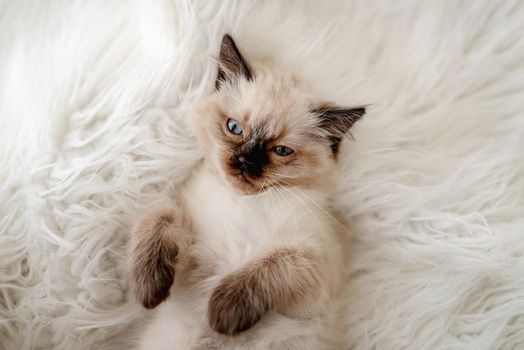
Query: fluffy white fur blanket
x=92, y=98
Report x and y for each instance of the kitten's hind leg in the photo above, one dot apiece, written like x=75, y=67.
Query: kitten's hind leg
x=157, y=239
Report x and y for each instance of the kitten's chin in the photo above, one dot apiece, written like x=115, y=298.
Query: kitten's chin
x=243, y=185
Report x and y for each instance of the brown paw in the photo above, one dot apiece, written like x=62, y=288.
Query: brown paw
x=152, y=278
x=153, y=257
x=235, y=305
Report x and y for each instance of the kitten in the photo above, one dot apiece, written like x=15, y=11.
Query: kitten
x=250, y=257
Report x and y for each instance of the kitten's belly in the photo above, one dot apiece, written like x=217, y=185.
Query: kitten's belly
x=231, y=231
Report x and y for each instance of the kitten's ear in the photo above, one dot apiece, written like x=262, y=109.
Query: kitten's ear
x=337, y=121
x=231, y=64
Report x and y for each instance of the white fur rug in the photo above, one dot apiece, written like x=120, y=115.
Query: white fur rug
x=92, y=98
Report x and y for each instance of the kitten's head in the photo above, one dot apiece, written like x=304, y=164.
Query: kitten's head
x=261, y=128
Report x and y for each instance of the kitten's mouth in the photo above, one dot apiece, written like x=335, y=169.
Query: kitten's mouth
x=243, y=177
x=243, y=183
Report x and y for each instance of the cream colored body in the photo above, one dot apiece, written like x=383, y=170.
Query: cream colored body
x=231, y=230
x=259, y=265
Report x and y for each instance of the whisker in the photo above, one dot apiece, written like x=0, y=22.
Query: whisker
x=306, y=206
x=320, y=207
x=288, y=204
x=290, y=188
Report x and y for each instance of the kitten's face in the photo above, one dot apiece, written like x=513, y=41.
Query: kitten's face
x=262, y=135
x=261, y=130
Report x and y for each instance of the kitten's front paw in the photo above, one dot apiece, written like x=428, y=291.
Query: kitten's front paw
x=153, y=257
x=235, y=305
x=152, y=278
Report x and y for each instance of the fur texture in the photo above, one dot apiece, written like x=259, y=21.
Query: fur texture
x=251, y=257
x=157, y=239
x=92, y=105
x=255, y=220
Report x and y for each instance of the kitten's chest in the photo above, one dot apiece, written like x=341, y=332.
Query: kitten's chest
x=229, y=225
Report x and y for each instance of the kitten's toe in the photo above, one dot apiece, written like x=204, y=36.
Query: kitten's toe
x=233, y=308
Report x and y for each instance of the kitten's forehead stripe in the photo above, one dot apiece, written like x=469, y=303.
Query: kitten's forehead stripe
x=258, y=133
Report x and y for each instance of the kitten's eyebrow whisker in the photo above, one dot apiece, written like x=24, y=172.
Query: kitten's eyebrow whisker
x=293, y=123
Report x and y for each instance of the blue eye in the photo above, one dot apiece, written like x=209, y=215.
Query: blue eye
x=234, y=127
x=283, y=151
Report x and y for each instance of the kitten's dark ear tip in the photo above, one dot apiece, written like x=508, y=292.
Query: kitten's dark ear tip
x=337, y=121
x=232, y=64
x=360, y=111
x=343, y=115
x=227, y=38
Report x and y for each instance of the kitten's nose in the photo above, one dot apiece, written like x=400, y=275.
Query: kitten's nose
x=249, y=166
x=244, y=163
